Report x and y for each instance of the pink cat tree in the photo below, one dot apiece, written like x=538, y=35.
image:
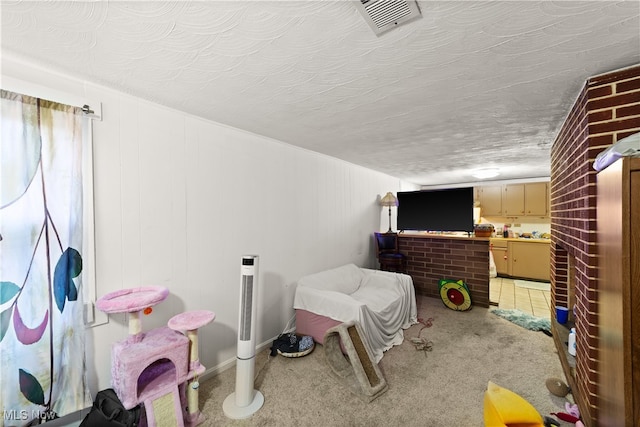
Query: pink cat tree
x=155, y=368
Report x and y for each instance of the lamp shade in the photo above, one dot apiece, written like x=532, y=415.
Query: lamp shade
x=389, y=200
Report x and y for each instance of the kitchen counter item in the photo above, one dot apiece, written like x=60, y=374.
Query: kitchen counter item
x=483, y=230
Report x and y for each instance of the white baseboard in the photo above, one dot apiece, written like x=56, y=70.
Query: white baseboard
x=230, y=363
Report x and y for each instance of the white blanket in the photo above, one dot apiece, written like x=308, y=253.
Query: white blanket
x=383, y=303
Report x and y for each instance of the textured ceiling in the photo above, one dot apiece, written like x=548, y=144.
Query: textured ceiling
x=471, y=84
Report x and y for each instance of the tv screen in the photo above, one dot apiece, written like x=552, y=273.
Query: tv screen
x=436, y=210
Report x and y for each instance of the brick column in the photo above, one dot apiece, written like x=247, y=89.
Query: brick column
x=607, y=110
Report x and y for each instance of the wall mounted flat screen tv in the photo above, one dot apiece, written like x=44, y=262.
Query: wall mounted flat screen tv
x=436, y=210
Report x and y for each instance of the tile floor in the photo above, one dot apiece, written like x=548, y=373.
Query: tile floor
x=508, y=296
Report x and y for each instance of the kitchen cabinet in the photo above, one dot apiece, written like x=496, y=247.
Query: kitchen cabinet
x=529, y=199
x=490, y=197
x=515, y=200
x=536, y=199
x=618, y=239
x=530, y=260
x=522, y=258
x=500, y=257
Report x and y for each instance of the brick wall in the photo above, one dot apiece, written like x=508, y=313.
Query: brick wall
x=607, y=110
x=430, y=259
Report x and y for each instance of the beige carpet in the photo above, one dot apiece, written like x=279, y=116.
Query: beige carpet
x=441, y=387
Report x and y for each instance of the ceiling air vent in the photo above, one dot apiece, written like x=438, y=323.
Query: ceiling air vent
x=384, y=15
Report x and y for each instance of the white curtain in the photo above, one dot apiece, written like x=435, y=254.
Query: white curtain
x=42, y=373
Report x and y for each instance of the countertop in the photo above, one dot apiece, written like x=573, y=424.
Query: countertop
x=449, y=236
x=428, y=235
x=520, y=239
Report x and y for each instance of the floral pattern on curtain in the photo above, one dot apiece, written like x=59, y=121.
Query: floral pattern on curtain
x=42, y=372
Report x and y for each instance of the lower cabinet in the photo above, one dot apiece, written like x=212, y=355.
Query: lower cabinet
x=530, y=260
x=500, y=257
x=522, y=259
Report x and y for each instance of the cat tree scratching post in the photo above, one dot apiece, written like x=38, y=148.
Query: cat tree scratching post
x=190, y=322
x=154, y=367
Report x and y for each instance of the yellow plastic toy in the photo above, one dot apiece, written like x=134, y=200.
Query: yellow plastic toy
x=504, y=408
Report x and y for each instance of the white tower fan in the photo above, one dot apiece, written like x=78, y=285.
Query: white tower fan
x=245, y=401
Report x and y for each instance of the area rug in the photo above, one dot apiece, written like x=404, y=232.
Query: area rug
x=525, y=320
x=542, y=286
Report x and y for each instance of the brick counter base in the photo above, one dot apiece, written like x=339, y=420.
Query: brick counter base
x=430, y=259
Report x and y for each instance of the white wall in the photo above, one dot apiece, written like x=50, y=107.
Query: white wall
x=179, y=200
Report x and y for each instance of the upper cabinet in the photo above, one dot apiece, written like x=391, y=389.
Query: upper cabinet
x=491, y=200
x=536, y=199
x=514, y=200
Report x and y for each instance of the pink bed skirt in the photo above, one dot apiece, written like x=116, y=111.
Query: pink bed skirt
x=312, y=324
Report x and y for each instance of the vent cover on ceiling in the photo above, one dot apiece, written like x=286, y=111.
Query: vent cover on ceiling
x=384, y=15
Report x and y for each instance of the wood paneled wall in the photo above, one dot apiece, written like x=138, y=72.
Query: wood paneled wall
x=179, y=200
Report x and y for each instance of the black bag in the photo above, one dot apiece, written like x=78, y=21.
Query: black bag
x=107, y=411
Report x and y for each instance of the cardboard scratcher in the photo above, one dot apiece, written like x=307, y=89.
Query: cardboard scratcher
x=357, y=369
x=164, y=410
